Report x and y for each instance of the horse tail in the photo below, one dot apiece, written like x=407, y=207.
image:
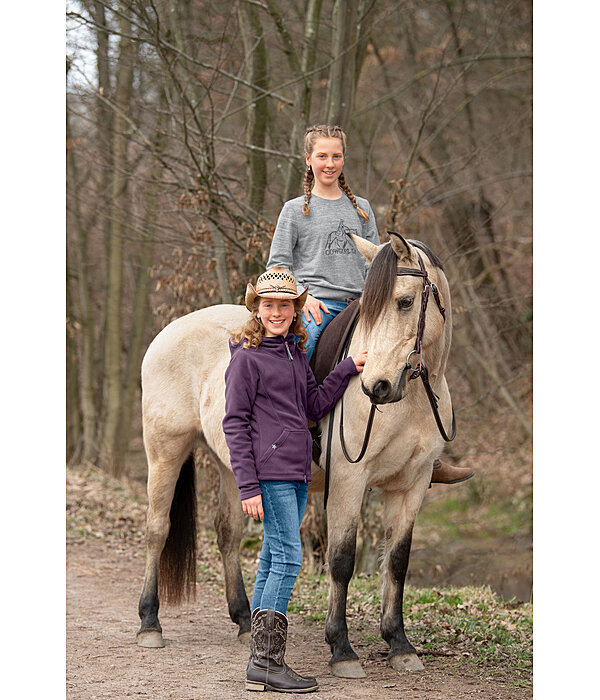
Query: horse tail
x=177, y=569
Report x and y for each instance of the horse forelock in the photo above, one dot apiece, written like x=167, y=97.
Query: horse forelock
x=381, y=279
x=379, y=285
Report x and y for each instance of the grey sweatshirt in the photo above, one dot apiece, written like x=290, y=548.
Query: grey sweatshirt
x=317, y=250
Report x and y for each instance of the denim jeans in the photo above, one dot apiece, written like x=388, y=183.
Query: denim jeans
x=314, y=330
x=283, y=504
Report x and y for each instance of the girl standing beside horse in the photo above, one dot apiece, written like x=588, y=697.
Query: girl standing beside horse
x=270, y=391
x=311, y=239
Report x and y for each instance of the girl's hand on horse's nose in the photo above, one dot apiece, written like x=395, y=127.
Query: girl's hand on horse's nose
x=360, y=360
x=313, y=306
x=253, y=507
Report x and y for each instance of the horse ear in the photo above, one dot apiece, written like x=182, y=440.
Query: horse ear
x=402, y=249
x=367, y=249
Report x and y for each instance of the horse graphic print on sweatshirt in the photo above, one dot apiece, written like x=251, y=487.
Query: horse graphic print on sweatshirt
x=338, y=242
x=316, y=248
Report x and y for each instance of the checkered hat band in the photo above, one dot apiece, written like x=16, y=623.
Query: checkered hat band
x=275, y=290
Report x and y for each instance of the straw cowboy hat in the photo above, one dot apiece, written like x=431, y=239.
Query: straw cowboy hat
x=276, y=283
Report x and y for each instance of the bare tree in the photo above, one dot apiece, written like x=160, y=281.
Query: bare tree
x=113, y=339
x=183, y=143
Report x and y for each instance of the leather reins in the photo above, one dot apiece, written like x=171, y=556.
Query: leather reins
x=419, y=371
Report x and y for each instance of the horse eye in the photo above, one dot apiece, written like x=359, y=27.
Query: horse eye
x=405, y=302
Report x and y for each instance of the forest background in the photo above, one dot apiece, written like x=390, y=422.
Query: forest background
x=185, y=123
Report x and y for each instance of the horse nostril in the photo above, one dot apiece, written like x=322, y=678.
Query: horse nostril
x=381, y=389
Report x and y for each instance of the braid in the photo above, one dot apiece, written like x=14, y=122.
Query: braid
x=346, y=188
x=309, y=176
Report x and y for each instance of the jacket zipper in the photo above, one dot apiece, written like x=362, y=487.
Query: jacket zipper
x=295, y=388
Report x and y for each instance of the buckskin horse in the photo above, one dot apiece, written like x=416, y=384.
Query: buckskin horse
x=183, y=403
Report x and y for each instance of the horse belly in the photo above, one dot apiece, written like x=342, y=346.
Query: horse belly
x=212, y=411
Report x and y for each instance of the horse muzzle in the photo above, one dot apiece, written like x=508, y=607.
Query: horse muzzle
x=384, y=392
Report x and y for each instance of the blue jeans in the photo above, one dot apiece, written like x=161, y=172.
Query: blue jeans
x=314, y=331
x=283, y=504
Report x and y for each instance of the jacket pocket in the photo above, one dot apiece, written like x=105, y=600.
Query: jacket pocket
x=274, y=446
x=290, y=458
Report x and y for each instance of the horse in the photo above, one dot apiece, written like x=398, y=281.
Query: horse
x=183, y=406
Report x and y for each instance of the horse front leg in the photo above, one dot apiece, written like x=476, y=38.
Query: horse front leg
x=343, y=512
x=228, y=525
x=400, y=511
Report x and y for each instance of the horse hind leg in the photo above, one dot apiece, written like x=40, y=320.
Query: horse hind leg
x=228, y=526
x=170, y=533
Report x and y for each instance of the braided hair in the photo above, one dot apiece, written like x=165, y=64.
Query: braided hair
x=309, y=178
x=310, y=138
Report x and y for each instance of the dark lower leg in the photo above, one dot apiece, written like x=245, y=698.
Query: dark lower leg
x=341, y=567
x=392, y=620
x=228, y=539
x=148, y=605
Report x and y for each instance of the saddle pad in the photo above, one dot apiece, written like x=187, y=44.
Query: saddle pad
x=330, y=342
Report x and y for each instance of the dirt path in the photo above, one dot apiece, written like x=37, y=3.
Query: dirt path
x=202, y=658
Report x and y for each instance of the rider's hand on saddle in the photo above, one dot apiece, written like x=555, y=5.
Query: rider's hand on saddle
x=313, y=306
x=360, y=360
x=253, y=507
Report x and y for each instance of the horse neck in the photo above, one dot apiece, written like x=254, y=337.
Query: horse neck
x=442, y=349
x=436, y=356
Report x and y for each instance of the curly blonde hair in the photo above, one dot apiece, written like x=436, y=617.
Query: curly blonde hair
x=310, y=138
x=253, y=332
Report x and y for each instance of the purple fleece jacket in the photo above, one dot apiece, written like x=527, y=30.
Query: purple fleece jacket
x=269, y=392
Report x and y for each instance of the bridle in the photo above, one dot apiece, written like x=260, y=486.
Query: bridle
x=415, y=372
x=421, y=369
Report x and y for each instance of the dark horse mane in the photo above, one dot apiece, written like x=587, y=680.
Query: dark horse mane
x=381, y=279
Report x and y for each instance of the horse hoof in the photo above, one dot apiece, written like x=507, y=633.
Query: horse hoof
x=244, y=638
x=150, y=639
x=406, y=662
x=348, y=669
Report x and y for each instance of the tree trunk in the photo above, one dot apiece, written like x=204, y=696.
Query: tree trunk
x=342, y=74
x=104, y=124
x=73, y=436
x=141, y=306
x=303, y=98
x=112, y=389
x=181, y=14
x=86, y=382
x=104, y=118
x=256, y=124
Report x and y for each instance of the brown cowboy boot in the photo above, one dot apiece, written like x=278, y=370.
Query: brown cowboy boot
x=312, y=679
x=444, y=473
x=267, y=669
